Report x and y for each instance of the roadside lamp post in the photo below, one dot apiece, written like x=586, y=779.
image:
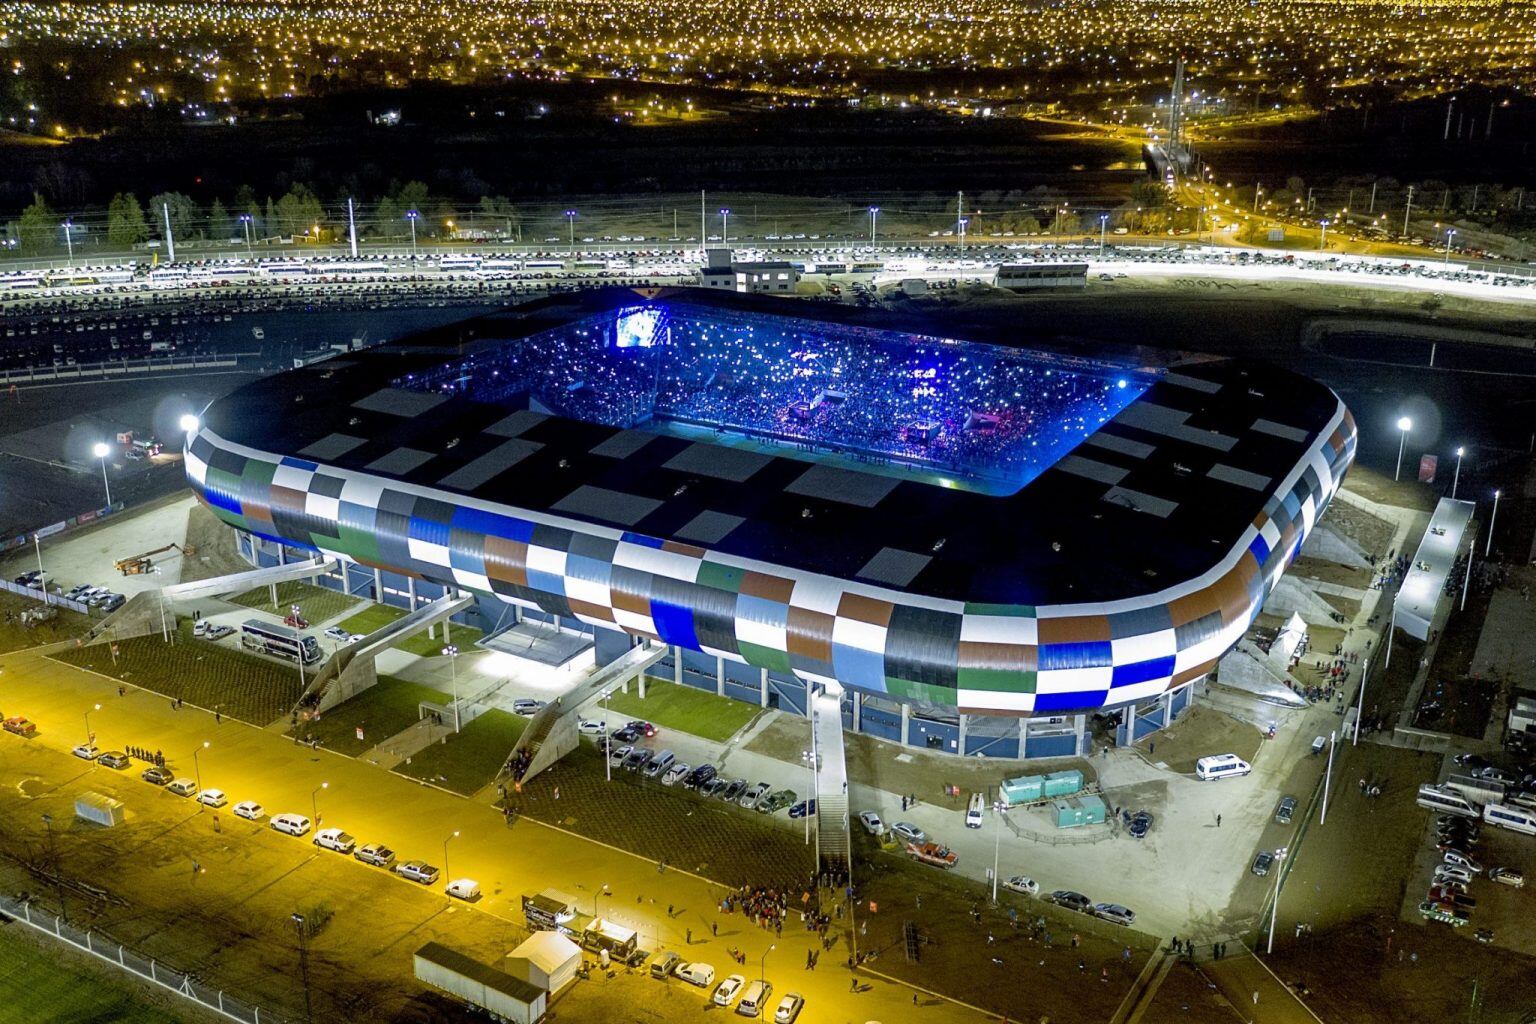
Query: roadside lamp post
x=608, y=739
x=446, y=873
x=1274, y=907
x=88, y=724
x=1456, y=480
x=1103, y=224
x=725, y=225
x=314, y=801
x=69, y=240
x=53, y=864
x=1404, y=424
x=570, y=223
x=1323, y=241
x=197, y=770
x=1488, y=549
x=874, y=215
x=412, y=217
x=101, y=451
x=762, y=975
x=1449, y=233
x=298, y=923
x=1333, y=739
x=190, y=423
x=1365, y=671
x=963, y=222
x=597, y=896
x=451, y=652
x=997, y=850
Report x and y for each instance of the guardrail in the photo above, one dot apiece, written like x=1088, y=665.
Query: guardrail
x=115, y=368
x=146, y=968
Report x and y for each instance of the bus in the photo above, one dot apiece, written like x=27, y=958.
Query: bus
x=450, y=263
x=278, y=641
x=281, y=270
x=1446, y=800
x=1516, y=819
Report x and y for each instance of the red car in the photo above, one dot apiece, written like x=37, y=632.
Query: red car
x=644, y=728
x=20, y=726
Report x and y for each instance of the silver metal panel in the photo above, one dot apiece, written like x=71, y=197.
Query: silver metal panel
x=832, y=483
x=400, y=402
x=331, y=446
x=1280, y=430
x=515, y=424
x=624, y=444
x=399, y=462
x=1159, y=419
x=1194, y=383
x=709, y=527
x=713, y=460
x=1241, y=477
x=607, y=506
x=894, y=567
x=1123, y=445
x=1096, y=471
x=1124, y=496
x=499, y=459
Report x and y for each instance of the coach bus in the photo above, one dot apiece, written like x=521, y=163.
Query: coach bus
x=278, y=641
x=450, y=263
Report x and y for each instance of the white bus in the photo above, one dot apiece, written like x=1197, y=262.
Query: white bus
x=459, y=263
x=1221, y=766
x=1445, y=800
x=1516, y=819
x=278, y=641
x=280, y=270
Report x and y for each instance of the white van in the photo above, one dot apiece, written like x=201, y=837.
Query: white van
x=975, y=810
x=753, y=999
x=1221, y=766
x=1446, y=800
x=702, y=975
x=1516, y=819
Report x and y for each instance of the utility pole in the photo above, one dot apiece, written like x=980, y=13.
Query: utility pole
x=298, y=921
x=1406, y=210
x=53, y=867
x=960, y=217
x=170, y=239
x=351, y=229
x=1373, y=198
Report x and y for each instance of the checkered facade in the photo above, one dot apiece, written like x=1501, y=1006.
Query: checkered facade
x=1015, y=659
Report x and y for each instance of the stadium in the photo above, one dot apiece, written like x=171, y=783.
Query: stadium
x=976, y=544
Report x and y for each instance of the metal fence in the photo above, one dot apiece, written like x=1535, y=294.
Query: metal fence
x=126, y=367
x=147, y=968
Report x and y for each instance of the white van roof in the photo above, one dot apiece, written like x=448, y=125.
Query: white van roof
x=1215, y=759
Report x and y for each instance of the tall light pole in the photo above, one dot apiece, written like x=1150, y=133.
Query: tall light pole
x=451, y=652
x=762, y=976
x=1449, y=232
x=1103, y=224
x=1323, y=241
x=1274, y=907
x=1365, y=671
x=314, y=802
x=446, y=873
x=298, y=922
x=69, y=240
x=197, y=770
x=1333, y=737
x=88, y=724
x=245, y=229
x=725, y=225
x=413, y=216
x=874, y=213
x=1488, y=548
x=603, y=891
x=1404, y=424
x=101, y=451
x=963, y=222
x=997, y=851
x=570, y=223
x=1456, y=480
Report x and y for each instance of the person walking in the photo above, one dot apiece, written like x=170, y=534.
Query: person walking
x=1218, y=821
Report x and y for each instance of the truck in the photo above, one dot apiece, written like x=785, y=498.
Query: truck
x=551, y=911
x=933, y=853
x=99, y=809
x=504, y=996
x=601, y=935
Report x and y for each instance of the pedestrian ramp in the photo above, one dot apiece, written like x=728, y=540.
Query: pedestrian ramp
x=832, y=844
x=240, y=582
x=352, y=668
x=551, y=733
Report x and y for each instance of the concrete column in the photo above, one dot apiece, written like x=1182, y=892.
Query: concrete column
x=517, y=615
x=378, y=586
x=1024, y=736
x=640, y=682
x=906, y=722
x=858, y=707
x=719, y=677
x=410, y=590
x=677, y=665
x=1167, y=702
x=960, y=747
x=762, y=687
x=272, y=588
x=1080, y=724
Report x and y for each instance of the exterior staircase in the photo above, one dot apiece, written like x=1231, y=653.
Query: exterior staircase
x=832, y=844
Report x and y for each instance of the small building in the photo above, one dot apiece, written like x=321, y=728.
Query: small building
x=1522, y=713
x=1028, y=276
x=1079, y=810
x=765, y=277
x=548, y=960
x=504, y=996
x=98, y=808
x=1025, y=789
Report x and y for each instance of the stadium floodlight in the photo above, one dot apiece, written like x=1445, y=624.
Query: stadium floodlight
x=570, y=222
x=1449, y=234
x=413, y=216
x=874, y=214
x=1456, y=480
x=101, y=451
x=1404, y=424
x=190, y=423
x=725, y=224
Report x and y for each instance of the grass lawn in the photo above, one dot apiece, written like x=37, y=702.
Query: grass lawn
x=216, y=676
x=383, y=710
x=40, y=988
x=685, y=709
x=318, y=603
x=14, y=636
x=471, y=759
x=376, y=616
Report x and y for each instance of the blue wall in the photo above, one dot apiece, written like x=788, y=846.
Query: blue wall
x=931, y=735
x=1061, y=745
x=992, y=746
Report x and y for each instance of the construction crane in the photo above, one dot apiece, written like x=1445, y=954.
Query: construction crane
x=138, y=564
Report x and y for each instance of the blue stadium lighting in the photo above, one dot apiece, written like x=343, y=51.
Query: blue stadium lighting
x=638, y=328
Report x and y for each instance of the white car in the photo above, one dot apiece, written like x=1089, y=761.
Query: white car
x=702, y=975
x=212, y=798
x=789, y=1008
x=1024, y=884
x=293, y=824
x=676, y=773
x=341, y=636
x=334, y=839
x=181, y=787
x=909, y=833
x=466, y=889
x=526, y=706
x=1461, y=860
x=871, y=822
x=417, y=871
x=587, y=728
x=86, y=751
x=727, y=990
x=249, y=810
x=1454, y=872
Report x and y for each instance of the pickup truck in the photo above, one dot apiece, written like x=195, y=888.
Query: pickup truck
x=933, y=853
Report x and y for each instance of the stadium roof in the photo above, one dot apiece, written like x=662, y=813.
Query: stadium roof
x=1155, y=496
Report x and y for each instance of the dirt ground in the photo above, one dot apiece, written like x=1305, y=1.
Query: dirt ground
x=1200, y=731
x=1187, y=996
x=1330, y=572
x=1453, y=700
x=1405, y=493
x=1372, y=533
x=213, y=545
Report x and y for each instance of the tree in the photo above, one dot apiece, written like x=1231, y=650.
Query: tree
x=221, y=227
x=499, y=209
x=126, y=224
x=1149, y=195
x=38, y=227
x=300, y=211
x=184, y=213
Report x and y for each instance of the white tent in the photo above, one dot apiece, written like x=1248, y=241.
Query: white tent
x=547, y=959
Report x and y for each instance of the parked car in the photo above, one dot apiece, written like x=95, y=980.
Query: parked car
x=219, y=632
x=249, y=810
x=733, y=790
x=618, y=754
x=700, y=974
x=714, y=787
x=624, y=734
x=1463, y=860
x=1024, y=884
x=157, y=775
x=86, y=751
x=1286, y=810
x=642, y=727
x=727, y=990
x=664, y=965
x=341, y=636
x=1263, y=862
x=909, y=833
x=638, y=756
x=19, y=725
x=1115, y=913
x=292, y=824
x=1453, y=872
x=752, y=794
x=587, y=728
x=212, y=798
x=871, y=822
x=789, y=1008
x=417, y=871
x=377, y=854
x=1499, y=775
x=334, y=839
x=1474, y=762
x=1072, y=900
x=181, y=787
x=1141, y=824
x=1508, y=876
x=200, y=628
x=700, y=775
x=803, y=809
x=677, y=773
x=114, y=759
x=466, y=889
x=777, y=801
x=527, y=706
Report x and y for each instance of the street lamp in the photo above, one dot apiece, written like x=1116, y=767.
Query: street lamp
x=1323, y=242
x=1404, y=424
x=298, y=923
x=762, y=976
x=314, y=802
x=88, y=724
x=1491, y=520
x=413, y=216
x=1449, y=232
x=451, y=652
x=1274, y=907
x=190, y=423
x=69, y=240
x=597, y=896
x=725, y=224
x=1103, y=223
x=446, y=873
x=245, y=229
x=570, y=222
x=197, y=768
x=874, y=213
x=1456, y=480
x=101, y=451
x=963, y=222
